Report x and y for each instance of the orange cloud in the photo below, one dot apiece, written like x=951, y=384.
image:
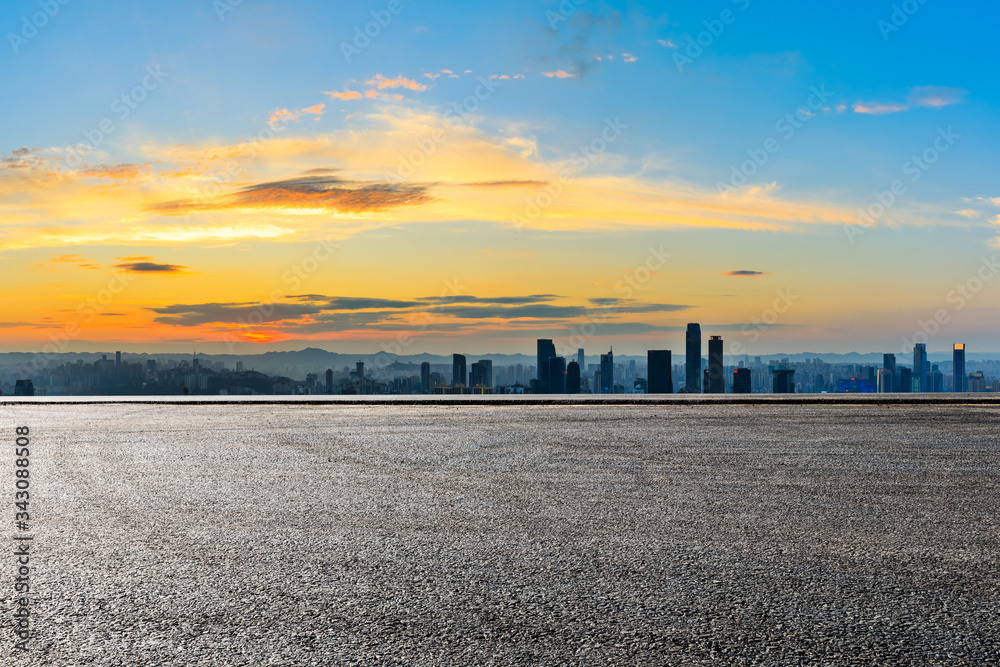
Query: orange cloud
x=381, y=82
x=346, y=95
x=559, y=74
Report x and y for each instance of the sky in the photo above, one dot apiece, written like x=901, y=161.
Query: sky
x=406, y=176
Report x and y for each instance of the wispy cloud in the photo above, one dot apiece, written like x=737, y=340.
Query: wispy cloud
x=746, y=273
x=382, y=82
x=312, y=193
x=559, y=74
x=936, y=96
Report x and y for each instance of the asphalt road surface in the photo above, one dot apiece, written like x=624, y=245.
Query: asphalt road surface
x=510, y=534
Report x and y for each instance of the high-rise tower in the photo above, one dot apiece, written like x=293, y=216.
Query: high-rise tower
x=693, y=358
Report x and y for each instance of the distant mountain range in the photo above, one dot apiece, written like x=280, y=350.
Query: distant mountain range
x=319, y=359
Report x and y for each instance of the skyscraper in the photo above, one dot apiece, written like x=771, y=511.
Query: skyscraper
x=487, y=365
x=425, y=377
x=783, y=381
x=579, y=360
x=716, y=380
x=889, y=377
x=920, y=367
x=329, y=380
x=958, y=367
x=658, y=380
x=573, y=377
x=557, y=375
x=458, y=377
x=741, y=381
x=693, y=358
x=546, y=350
x=608, y=372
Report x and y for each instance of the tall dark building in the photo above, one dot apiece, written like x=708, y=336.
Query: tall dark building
x=958, y=367
x=481, y=374
x=573, y=377
x=329, y=380
x=658, y=380
x=24, y=388
x=741, y=381
x=425, y=377
x=458, y=376
x=579, y=360
x=557, y=375
x=889, y=377
x=716, y=380
x=546, y=350
x=783, y=381
x=118, y=358
x=905, y=380
x=608, y=372
x=693, y=358
x=920, y=367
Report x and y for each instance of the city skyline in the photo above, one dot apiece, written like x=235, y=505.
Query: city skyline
x=362, y=177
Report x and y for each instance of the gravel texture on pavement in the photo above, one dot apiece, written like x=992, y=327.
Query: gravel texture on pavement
x=339, y=534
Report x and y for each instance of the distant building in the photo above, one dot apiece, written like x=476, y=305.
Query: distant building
x=783, y=381
x=658, y=377
x=573, y=377
x=579, y=360
x=458, y=376
x=958, y=367
x=935, y=380
x=741, y=381
x=329, y=380
x=608, y=372
x=693, y=358
x=557, y=375
x=976, y=382
x=24, y=388
x=425, y=377
x=546, y=350
x=905, y=380
x=118, y=358
x=716, y=379
x=889, y=374
x=481, y=374
x=919, y=377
